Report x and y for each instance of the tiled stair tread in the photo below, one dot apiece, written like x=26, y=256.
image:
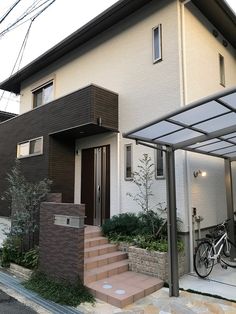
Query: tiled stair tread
x=105, y=256
x=95, y=241
x=99, y=247
x=106, y=268
x=134, y=286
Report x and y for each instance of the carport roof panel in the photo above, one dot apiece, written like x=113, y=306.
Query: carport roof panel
x=207, y=126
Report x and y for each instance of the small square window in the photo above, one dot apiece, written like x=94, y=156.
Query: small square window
x=157, y=43
x=128, y=162
x=30, y=148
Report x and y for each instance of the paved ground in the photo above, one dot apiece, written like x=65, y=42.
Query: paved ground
x=160, y=303
x=9, y=305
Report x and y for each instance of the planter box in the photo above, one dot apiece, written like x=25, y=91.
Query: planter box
x=21, y=271
x=151, y=263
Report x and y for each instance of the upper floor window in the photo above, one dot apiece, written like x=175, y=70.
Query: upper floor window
x=43, y=95
x=222, y=69
x=30, y=148
x=156, y=42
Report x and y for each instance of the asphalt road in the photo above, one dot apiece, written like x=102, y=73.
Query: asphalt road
x=9, y=305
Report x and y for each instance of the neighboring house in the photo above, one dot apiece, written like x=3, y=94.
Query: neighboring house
x=6, y=115
x=138, y=60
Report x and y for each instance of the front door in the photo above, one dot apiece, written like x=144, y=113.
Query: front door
x=95, y=184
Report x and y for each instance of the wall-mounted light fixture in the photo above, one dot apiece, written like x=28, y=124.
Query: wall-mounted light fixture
x=199, y=173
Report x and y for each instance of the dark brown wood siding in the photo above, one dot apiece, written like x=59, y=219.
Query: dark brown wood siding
x=83, y=107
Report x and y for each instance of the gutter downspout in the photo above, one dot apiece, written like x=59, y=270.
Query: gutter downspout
x=187, y=172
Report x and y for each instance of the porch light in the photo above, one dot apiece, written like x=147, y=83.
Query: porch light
x=199, y=173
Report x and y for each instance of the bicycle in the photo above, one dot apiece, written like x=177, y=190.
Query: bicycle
x=215, y=248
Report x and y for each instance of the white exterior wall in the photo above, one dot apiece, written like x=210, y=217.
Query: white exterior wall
x=121, y=60
x=202, y=78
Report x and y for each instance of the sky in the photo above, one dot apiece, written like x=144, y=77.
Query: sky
x=61, y=19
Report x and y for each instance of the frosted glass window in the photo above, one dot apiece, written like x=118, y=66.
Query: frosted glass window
x=215, y=146
x=156, y=37
x=157, y=130
x=180, y=136
x=222, y=69
x=128, y=162
x=23, y=149
x=218, y=123
x=200, y=113
x=230, y=100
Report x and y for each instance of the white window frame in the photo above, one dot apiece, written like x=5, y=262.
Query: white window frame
x=131, y=162
x=156, y=164
x=29, y=141
x=35, y=90
x=159, y=28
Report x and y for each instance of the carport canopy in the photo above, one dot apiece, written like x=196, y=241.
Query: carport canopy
x=207, y=127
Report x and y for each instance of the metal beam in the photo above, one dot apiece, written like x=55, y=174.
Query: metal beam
x=230, y=203
x=172, y=223
x=202, y=138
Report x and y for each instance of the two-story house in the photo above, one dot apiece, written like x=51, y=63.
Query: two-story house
x=136, y=61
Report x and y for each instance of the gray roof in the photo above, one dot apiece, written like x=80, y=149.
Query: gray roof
x=207, y=126
x=217, y=11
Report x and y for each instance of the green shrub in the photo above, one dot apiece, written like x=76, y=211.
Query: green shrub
x=59, y=291
x=31, y=258
x=151, y=223
x=11, y=251
x=124, y=224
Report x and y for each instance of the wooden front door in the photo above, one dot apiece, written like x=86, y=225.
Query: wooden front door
x=95, y=184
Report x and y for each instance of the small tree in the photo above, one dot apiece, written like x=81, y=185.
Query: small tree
x=24, y=198
x=143, y=179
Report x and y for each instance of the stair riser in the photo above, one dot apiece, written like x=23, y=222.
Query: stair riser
x=93, y=243
x=105, y=261
x=94, y=234
x=106, y=274
x=99, y=252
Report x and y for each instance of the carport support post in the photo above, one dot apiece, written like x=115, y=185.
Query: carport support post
x=172, y=223
x=230, y=202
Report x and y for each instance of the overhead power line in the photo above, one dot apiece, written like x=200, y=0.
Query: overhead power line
x=23, y=46
x=35, y=6
x=9, y=11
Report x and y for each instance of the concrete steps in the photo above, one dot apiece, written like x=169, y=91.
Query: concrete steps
x=107, y=275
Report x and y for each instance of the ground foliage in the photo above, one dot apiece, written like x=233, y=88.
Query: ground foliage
x=61, y=292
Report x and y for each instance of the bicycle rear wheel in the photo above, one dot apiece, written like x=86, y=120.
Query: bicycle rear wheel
x=203, y=263
x=227, y=259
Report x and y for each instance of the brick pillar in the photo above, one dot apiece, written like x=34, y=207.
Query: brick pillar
x=61, y=247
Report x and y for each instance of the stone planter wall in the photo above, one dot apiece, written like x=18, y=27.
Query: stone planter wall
x=151, y=263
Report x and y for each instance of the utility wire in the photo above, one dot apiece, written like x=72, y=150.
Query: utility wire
x=22, y=48
x=24, y=15
x=9, y=11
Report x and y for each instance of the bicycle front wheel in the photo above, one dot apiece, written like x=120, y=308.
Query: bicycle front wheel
x=203, y=261
x=227, y=258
